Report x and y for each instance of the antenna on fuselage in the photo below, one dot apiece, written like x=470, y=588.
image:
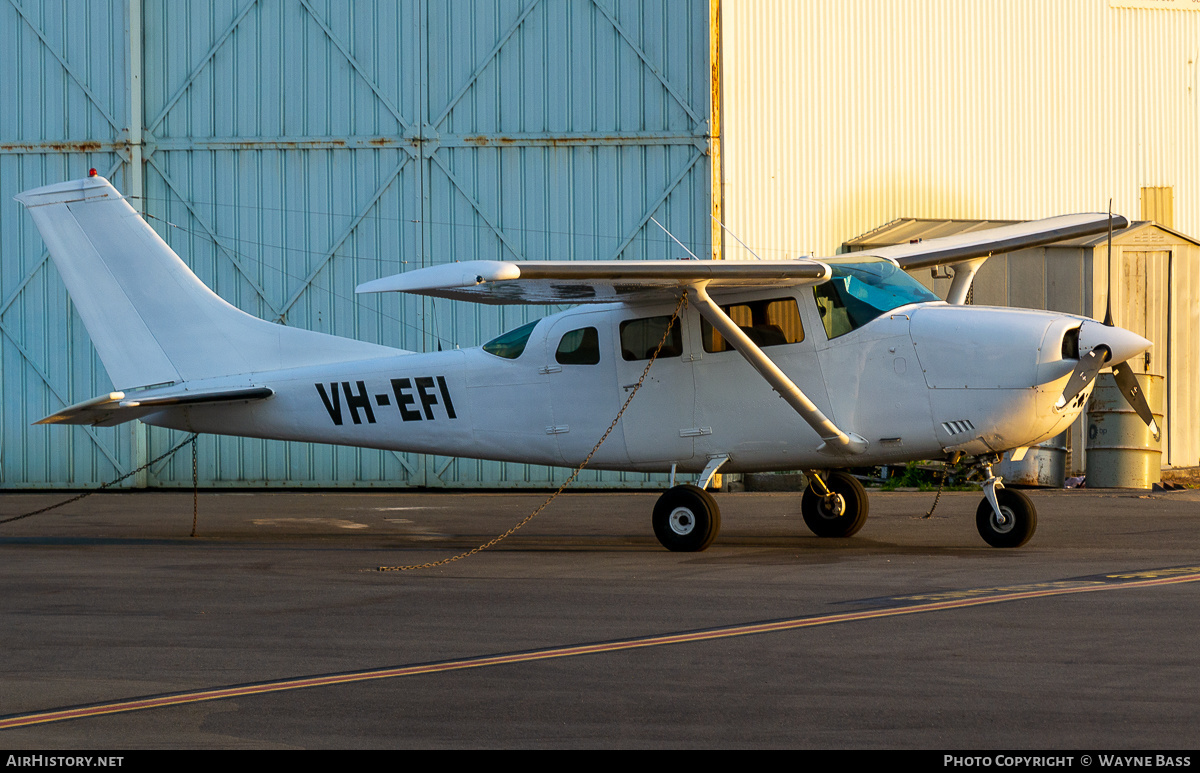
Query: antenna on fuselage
x=739, y=241
x=668, y=233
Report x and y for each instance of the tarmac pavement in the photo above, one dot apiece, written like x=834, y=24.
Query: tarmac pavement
x=580, y=631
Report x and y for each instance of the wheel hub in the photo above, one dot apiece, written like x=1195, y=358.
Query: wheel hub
x=833, y=506
x=1004, y=521
x=682, y=521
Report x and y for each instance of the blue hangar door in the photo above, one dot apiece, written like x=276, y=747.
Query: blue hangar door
x=291, y=149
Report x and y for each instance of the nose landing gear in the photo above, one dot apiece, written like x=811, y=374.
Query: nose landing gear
x=1005, y=518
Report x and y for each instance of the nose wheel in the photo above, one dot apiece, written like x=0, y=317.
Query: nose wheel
x=1010, y=524
x=1005, y=518
x=686, y=519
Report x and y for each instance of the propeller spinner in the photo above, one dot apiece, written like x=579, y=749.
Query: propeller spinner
x=1101, y=346
x=1122, y=373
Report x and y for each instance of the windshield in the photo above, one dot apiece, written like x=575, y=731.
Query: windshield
x=861, y=290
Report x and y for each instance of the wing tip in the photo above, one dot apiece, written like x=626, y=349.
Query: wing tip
x=448, y=276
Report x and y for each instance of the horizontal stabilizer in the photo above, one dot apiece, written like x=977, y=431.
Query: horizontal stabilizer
x=996, y=241
x=116, y=408
x=593, y=281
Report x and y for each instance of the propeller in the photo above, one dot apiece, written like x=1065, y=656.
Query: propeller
x=1085, y=372
x=1129, y=386
x=1108, y=343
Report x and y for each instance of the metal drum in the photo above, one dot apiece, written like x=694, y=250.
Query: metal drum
x=1044, y=465
x=1121, y=452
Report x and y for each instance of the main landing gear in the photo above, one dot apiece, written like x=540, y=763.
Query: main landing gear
x=686, y=519
x=835, y=505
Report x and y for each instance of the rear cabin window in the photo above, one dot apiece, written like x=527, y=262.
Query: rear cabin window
x=771, y=322
x=640, y=337
x=579, y=347
x=511, y=344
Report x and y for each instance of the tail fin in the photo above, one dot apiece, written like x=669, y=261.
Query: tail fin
x=151, y=319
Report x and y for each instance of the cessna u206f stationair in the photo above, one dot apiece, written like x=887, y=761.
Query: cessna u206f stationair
x=872, y=368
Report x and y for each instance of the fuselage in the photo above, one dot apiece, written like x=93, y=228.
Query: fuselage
x=916, y=382
x=842, y=362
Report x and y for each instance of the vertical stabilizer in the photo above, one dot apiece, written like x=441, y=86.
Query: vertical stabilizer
x=151, y=319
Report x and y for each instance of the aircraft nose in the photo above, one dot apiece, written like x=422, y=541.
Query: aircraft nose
x=1121, y=342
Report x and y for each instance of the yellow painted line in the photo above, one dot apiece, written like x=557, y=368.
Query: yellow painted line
x=1109, y=582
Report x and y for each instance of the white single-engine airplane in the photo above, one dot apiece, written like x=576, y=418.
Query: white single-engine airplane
x=871, y=367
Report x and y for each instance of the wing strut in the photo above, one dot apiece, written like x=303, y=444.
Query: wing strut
x=837, y=442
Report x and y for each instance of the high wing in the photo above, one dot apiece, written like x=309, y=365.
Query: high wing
x=965, y=253
x=588, y=281
x=996, y=241
x=558, y=282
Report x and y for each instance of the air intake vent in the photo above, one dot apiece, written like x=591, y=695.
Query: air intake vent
x=1070, y=344
x=957, y=427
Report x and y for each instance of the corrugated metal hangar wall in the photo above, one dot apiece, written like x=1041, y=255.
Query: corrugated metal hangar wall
x=838, y=117
x=290, y=149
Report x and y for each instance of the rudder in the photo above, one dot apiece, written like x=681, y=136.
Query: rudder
x=151, y=319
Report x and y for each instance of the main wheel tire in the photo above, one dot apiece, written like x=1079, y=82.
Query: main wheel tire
x=1015, y=527
x=823, y=516
x=686, y=519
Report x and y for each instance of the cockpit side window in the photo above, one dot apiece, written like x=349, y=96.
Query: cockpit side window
x=640, y=337
x=834, y=315
x=771, y=322
x=579, y=347
x=511, y=344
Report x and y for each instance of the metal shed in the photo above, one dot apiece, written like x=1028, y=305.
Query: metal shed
x=290, y=149
x=1156, y=287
